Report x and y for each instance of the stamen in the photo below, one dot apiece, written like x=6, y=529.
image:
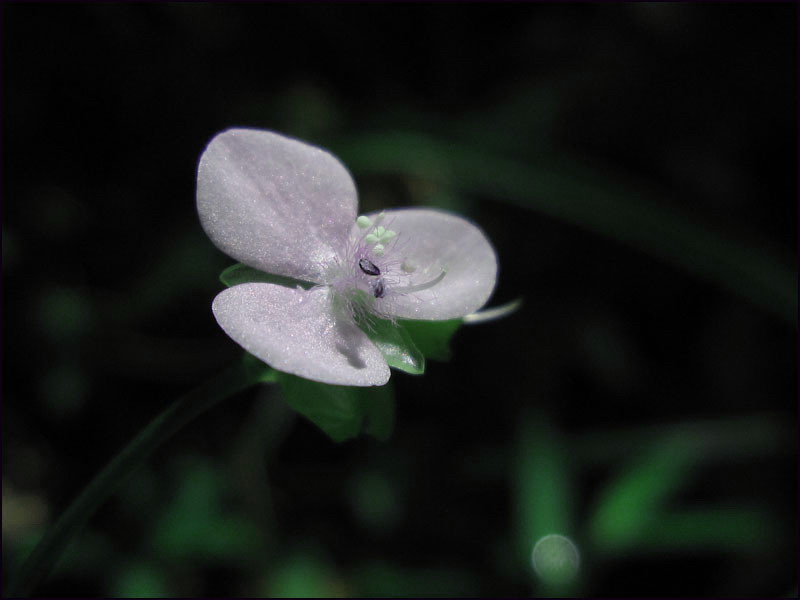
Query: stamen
x=379, y=249
x=411, y=289
x=369, y=267
x=363, y=222
x=379, y=289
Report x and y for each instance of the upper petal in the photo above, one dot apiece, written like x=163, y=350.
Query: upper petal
x=274, y=203
x=431, y=242
x=296, y=331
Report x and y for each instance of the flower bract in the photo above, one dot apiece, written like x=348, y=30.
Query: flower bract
x=288, y=208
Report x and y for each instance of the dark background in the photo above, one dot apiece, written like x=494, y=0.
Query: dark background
x=642, y=376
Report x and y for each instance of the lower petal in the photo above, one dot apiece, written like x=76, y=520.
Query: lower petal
x=298, y=332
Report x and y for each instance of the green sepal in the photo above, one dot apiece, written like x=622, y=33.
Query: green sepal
x=342, y=412
x=432, y=338
x=239, y=273
x=396, y=345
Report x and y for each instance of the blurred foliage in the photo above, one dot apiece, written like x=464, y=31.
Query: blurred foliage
x=583, y=197
x=635, y=166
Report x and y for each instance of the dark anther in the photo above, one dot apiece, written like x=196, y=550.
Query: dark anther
x=369, y=267
x=378, y=290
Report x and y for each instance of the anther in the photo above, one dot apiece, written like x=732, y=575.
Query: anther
x=378, y=289
x=369, y=267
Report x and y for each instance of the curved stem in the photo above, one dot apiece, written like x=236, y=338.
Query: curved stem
x=44, y=556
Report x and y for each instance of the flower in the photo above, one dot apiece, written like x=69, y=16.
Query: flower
x=285, y=207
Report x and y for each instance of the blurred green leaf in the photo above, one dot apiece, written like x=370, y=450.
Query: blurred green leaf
x=635, y=500
x=542, y=486
x=432, y=338
x=396, y=345
x=711, y=440
x=342, y=412
x=184, y=266
x=717, y=528
x=65, y=387
x=375, y=500
x=195, y=526
x=563, y=189
x=65, y=314
x=85, y=554
x=239, y=273
x=302, y=576
x=140, y=580
x=381, y=579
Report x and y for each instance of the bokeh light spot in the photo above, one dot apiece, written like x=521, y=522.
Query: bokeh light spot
x=556, y=559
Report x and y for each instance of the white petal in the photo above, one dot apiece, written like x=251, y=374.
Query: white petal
x=296, y=331
x=429, y=242
x=275, y=203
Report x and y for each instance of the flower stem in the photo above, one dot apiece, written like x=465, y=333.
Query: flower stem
x=38, y=565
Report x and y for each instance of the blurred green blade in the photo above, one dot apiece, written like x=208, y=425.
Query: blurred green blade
x=635, y=499
x=141, y=579
x=711, y=440
x=734, y=529
x=377, y=578
x=542, y=481
x=196, y=525
x=302, y=575
x=580, y=196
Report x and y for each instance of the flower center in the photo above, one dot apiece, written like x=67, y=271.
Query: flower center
x=375, y=268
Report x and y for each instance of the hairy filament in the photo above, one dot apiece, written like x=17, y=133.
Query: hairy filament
x=411, y=289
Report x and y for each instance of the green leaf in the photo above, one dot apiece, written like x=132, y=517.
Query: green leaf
x=634, y=502
x=302, y=575
x=196, y=524
x=736, y=529
x=543, y=483
x=239, y=273
x=342, y=412
x=141, y=579
x=432, y=338
x=396, y=345
x=376, y=578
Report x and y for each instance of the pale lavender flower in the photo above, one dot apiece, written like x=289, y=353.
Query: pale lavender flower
x=288, y=208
